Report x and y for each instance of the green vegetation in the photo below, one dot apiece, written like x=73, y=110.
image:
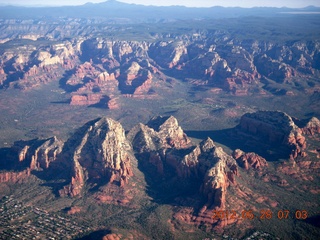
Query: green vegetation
x=44, y=112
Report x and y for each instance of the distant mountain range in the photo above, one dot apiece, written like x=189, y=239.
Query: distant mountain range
x=115, y=9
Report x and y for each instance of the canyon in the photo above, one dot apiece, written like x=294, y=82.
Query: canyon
x=123, y=121
x=99, y=157
x=100, y=72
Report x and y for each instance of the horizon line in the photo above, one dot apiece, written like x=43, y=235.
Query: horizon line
x=149, y=5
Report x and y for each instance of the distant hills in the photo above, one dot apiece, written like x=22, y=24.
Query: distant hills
x=115, y=9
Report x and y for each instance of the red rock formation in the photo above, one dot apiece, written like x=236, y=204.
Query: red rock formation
x=38, y=75
x=218, y=177
x=38, y=154
x=113, y=103
x=110, y=63
x=104, y=77
x=95, y=82
x=312, y=127
x=74, y=210
x=170, y=54
x=84, y=100
x=276, y=128
x=249, y=160
x=84, y=70
x=161, y=132
x=206, y=161
x=188, y=166
x=145, y=87
x=112, y=236
x=102, y=153
x=3, y=75
x=125, y=234
x=46, y=153
x=14, y=177
x=275, y=69
x=77, y=181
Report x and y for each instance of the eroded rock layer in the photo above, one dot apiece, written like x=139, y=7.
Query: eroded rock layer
x=38, y=154
x=100, y=67
x=275, y=128
x=100, y=153
x=165, y=146
x=99, y=156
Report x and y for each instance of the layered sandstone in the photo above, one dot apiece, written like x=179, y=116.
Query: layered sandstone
x=249, y=160
x=38, y=154
x=275, y=128
x=14, y=177
x=312, y=127
x=163, y=143
x=35, y=66
x=159, y=133
x=220, y=173
x=100, y=152
x=86, y=99
x=97, y=64
x=169, y=54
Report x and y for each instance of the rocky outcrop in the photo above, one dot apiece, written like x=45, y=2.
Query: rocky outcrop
x=312, y=127
x=274, y=128
x=275, y=69
x=3, y=75
x=169, y=54
x=118, y=68
x=46, y=153
x=74, y=210
x=220, y=171
x=98, y=65
x=78, y=181
x=159, y=133
x=86, y=99
x=38, y=154
x=36, y=76
x=249, y=160
x=100, y=153
x=28, y=67
x=14, y=177
x=152, y=141
x=136, y=80
x=163, y=143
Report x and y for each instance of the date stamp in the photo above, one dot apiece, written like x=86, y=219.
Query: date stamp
x=264, y=214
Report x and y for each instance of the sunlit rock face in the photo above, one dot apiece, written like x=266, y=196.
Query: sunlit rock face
x=249, y=160
x=163, y=143
x=100, y=152
x=276, y=128
x=103, y=67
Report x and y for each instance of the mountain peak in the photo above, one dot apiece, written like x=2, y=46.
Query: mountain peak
x=112, y=3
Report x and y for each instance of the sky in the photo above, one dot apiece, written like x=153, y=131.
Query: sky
x=188, y=3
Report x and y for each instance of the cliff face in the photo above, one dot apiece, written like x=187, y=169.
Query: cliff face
x=159, y=133
x=38, y=154
x=98, y=153
x=100, y=156
x=14, y=177
x=249, y=160
x=165, y=146
x=101, y=153
x=30, y=66
x=312, y=127
x=100, y=67
x=274, y=128
x=220, y=171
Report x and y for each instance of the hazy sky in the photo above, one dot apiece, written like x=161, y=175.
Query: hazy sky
x=189, y=3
